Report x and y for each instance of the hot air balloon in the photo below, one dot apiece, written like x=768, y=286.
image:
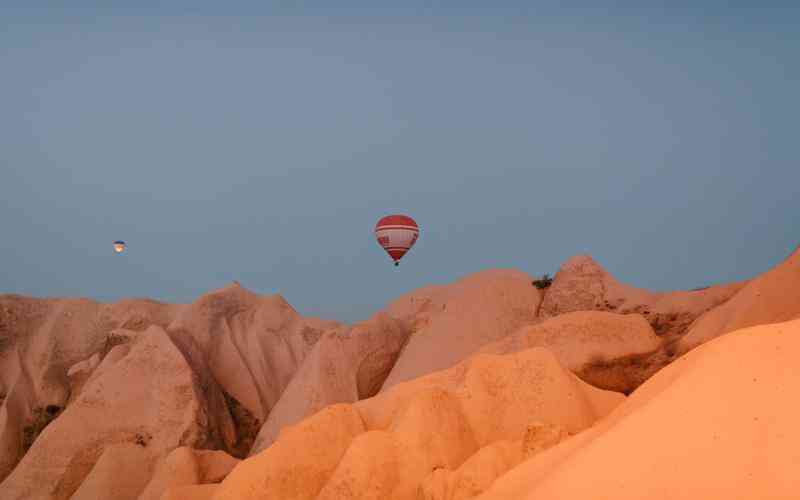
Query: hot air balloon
x=396, y=234
x=119, y=246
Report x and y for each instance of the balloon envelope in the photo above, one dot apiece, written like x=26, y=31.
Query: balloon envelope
x=119, y=246
x=396, y=234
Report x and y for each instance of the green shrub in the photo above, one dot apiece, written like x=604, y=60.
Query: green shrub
x=543, y=282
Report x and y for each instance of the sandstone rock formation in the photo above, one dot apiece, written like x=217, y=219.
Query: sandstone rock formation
x=147, y=398
x=198, y=492
x=480, y=471
x=298, y=464
x=234, y=345
x=581, y=284
x=248, y=345
x=593, y=344
x=386, y=446
x=479, y=387
x=345, y=365
x=453, y=321
x=184, y=468
x=122, y=471
x=40, y=340
x=769, y=298
x=251, y=344
x=578, y=337
x=474, y=476
x=718, y=423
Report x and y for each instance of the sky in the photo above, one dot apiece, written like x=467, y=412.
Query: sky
x=260, y=142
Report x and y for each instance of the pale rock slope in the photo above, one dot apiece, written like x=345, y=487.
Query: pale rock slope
x=145, y=397
x=50, y=349
x=720, y=423
x=386, y=446
x=451, y=322
x=120, y=472
x=345, y=365
x=40, y=340
x=239, y=349
x=769, y=298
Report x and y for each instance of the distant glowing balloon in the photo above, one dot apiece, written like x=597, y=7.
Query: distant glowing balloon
x=396, y=234
x=119, y=246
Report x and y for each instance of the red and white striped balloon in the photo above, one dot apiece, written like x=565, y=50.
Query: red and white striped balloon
x=396, y=234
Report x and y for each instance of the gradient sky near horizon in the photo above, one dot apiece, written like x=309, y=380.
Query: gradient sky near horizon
x=260, y=142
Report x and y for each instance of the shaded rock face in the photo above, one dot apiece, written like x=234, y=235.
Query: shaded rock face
x=581, y=284
x=246, y=426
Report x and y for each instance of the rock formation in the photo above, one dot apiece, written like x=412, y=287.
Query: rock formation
x=453, y=321
x=769, y=298
x=488, y=387
x=346, y=365
x=237, y=351
x=185, y=468
x=162, y=409
x=716, y=424
x=581, y=284
x=387, y=445
x=595, y=345
x=40, y=340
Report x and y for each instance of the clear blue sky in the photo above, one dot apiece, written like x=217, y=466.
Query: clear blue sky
x=260, y=142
